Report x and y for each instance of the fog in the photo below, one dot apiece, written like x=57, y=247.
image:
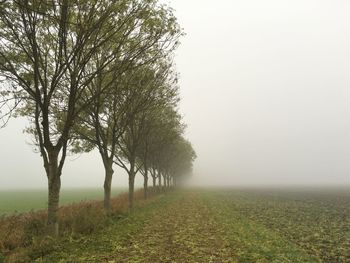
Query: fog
x=265, y=89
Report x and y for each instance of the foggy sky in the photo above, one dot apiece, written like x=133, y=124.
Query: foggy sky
x=265, y=89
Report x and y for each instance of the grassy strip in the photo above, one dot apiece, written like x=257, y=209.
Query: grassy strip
x=111, y=240
x=173, y=228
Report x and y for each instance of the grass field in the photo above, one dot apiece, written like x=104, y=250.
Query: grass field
x=27, y=200
x=222, y=226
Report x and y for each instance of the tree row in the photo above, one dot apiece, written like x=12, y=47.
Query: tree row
x=95, y=75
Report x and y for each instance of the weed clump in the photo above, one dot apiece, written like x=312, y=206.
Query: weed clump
x=83, y=218
x=41, y=247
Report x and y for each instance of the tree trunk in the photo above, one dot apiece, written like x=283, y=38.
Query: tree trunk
x=107, y=187
x=159, y=182
x=145, y=185
x=54, y=185
x=154, y=182
x=131, y=186
x=165, y=182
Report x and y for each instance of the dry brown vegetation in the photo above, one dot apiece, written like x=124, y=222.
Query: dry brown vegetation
x=23, y=236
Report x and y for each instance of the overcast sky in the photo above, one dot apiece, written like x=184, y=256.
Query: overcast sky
x=265, y=89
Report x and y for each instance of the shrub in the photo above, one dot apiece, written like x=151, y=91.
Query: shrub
x=82, y=218
x=11, y=232
x=35, y=225
x=83, y=225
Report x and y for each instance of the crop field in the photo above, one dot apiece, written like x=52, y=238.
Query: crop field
x=26, y=200
x=222, y=226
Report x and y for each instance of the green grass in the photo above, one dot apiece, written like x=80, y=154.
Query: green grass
x=26, y=200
